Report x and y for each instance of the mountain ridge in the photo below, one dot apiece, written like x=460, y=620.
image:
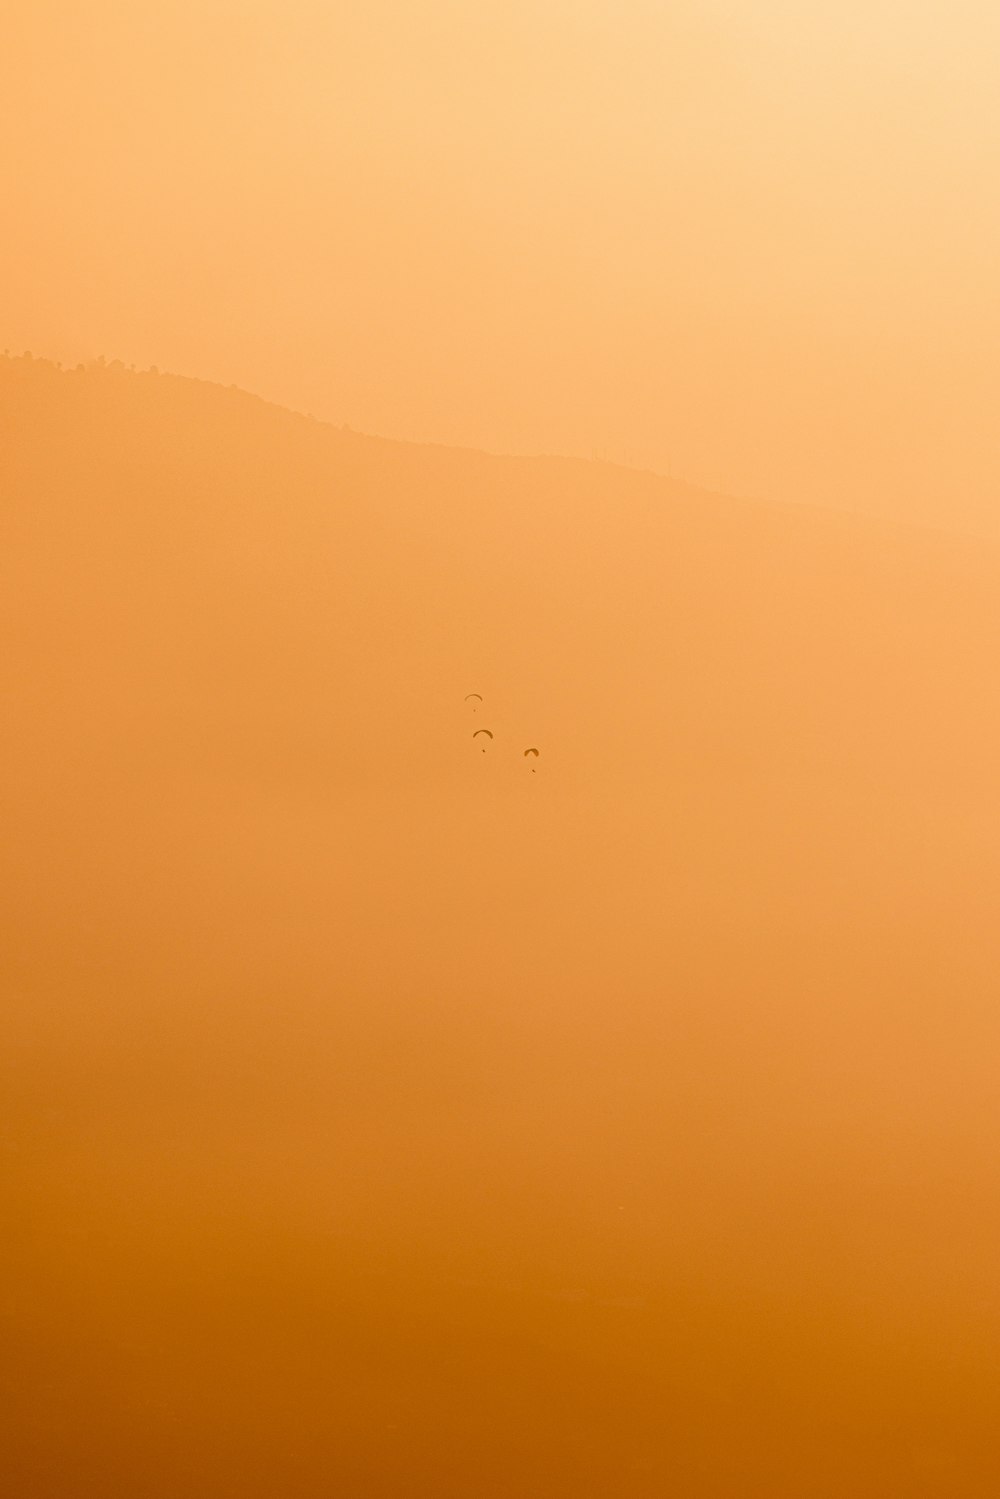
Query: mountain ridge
x=676, y=488
x=351, y=1070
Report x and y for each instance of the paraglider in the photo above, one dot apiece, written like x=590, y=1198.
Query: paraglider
x=531, y=751
x=487, y=732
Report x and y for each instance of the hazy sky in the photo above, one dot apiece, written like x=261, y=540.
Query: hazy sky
x=755, y=241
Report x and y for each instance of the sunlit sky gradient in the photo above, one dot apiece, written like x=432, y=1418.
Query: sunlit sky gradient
x=752, y=241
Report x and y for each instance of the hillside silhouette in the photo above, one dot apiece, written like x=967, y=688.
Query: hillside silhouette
x=385, y=1118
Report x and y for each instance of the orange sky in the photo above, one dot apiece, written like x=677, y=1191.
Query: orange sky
x=752, y=240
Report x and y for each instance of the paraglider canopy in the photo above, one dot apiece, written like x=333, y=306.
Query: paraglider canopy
x=531, y=752
x=470, y=695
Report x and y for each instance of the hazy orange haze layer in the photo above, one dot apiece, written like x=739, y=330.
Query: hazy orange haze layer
x=383, y=1119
